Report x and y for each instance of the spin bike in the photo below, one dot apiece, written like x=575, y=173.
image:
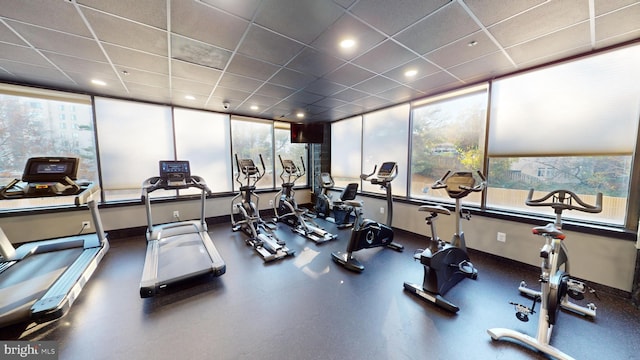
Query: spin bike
x=287, y=210
x=325, y=204
x=367, y=233
x=446, y=264
x=245, y=215
x=555, y=280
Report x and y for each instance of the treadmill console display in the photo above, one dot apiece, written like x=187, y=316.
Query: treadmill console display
x=175, y=172
x=50, y=169
x=386, y=170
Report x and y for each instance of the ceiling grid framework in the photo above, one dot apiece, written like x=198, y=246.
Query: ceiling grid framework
x=274, y=59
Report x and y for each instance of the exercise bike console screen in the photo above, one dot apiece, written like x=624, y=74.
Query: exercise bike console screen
x=386, y=169
x=175, y=173
x=247, y=166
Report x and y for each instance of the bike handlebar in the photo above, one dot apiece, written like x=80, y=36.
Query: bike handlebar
x=441, y=183
x=563, y=200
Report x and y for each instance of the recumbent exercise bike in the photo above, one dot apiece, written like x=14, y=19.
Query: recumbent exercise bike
x=326, y=205
x=556, y=284
x=446, y=264
x=367, y=233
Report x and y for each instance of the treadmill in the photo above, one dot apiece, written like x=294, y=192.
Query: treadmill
x=180, y=250
x=40, y=280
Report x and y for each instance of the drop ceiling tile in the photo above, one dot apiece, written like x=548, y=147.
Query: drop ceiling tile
x=31, y=73
x=392, y=16
x=252, y=68
x=194, y=72
x=261, y=101
x=274, y=91
x=603, y=7
x=551, y=45
x=324, y=87
x=434, y=83
x=179, y=98
x=245, y=8
x=67, y=63
x=372, y=102
x=376, y=85
x=349, y=95
x=313, y=62
x=269, y=46
x=149, y=93
x=189, y=87
x=330, y=102
x=8, y=36
x=199, y=53
x=542, y=20
x=117, y=31
x=22, y=54
x=393, y=54
x=347, y=27
x=400, y=94
x=231, y=95
x=462, y=51
x=150, y=12
x=303, y=98
x=238, y=82
x=292, y=79
x=621, y=22
x=130, y=60
x=484, y=68
x=490, y=12
x=59, y=42
x=349, y=75
x=422, y=66
x=57, y=15
x=204, y=23
x=302, y=20
x=450, y=24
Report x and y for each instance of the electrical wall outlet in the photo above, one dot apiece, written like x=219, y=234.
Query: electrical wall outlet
x=381, y=210
x=270, y=202
x=176, y=214
x=502, y=237
x=86, y=225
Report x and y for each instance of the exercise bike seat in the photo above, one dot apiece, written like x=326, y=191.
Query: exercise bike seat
x=435, y=209
x=550, y=230
x=354, y=203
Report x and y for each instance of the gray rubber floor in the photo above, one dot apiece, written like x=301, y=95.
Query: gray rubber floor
x=308, y=307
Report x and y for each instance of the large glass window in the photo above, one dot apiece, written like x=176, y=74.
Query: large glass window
x=346, y=151
x=249, y=139
x=572, y=126
x=447, y=135
x=385, y=137
x=295, y=152
x=202, y=137
x=132, y=137
x=35, y=122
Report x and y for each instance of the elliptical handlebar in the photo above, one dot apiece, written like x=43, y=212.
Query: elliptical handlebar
x=563, y=200
x=292, y=170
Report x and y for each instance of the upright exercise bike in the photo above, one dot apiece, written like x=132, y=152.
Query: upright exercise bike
x=287, y=210
x=555, y=280
x=367, y=233
x=245, y=213
x=446, y=264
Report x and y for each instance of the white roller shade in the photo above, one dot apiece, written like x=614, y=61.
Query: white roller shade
x=589, y=106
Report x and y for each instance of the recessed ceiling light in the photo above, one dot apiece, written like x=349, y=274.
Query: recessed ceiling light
x=98, y=82
x=411, y=73
x=300, y=115
x=347, y=43
x=189, y=97
x=254, y=107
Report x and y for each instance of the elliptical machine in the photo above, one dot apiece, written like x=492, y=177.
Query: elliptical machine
x=446, y=264
x=245, y=215
x=555, y=280
x=325, y=204
x=287, y=210
x=367, y=233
